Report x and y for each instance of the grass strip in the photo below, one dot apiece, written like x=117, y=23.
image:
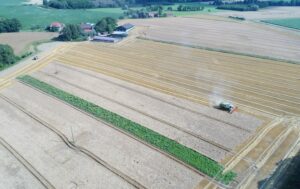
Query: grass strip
x=177, y=150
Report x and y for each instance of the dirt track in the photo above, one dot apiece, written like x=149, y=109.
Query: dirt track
x=240, y=37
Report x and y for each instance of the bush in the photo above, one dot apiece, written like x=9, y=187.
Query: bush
x=7, y=55
x=71, y=32
x=189, y=8
x=183, y=153
x=10, y=25
x=106, y=24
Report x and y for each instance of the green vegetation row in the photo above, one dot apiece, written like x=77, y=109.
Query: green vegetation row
x=183, y=153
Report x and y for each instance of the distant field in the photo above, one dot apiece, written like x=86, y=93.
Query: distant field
x=289, y=22
x=33, y=15
x=43, y=17
x=205, y=32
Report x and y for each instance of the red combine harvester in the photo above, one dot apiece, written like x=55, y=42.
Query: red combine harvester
x=226, y=106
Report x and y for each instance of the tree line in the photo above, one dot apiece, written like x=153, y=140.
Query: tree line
x=73, y=32
x=86, y=4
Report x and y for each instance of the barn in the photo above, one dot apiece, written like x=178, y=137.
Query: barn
x=125, y=27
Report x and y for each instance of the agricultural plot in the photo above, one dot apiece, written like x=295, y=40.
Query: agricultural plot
x=293, y=23
x=139, y=114
x=21, y=42
x=263, y=14
x=241, y=37
x=198, y=75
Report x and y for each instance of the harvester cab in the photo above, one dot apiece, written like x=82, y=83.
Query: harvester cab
x=226, y=106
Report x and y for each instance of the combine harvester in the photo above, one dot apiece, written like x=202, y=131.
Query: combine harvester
x=226, y=106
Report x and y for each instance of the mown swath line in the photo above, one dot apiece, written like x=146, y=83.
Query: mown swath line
x=177, y=150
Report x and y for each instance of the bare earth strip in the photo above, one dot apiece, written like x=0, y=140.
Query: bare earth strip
x=147, y=166
x=60, y=165
x=240, y=37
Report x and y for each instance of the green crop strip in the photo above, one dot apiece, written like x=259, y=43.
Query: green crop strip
x=177, y=150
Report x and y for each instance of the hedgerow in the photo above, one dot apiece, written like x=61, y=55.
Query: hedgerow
x=177, y=150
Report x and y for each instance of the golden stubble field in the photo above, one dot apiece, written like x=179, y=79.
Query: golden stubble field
x=223, y=34
x=167, y=88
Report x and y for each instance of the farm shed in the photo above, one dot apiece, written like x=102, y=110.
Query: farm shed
x=125, y=27
x=106, y=39
x=56, y=26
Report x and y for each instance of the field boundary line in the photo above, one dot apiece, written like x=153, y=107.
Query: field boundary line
x=221, y=50
x=251, y=144
x=72, y=145
x=278, y=171
x=26, y=164
x=260, y=162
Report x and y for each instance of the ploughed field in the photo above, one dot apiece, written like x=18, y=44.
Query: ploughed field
x=233, y=36
x=139, y=115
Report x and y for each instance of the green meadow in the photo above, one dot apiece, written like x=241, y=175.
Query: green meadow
x=31, y=16
x=293, y=23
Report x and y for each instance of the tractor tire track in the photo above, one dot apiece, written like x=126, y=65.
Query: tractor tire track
x=129, y=135
x=72, y=145
x=26, y=164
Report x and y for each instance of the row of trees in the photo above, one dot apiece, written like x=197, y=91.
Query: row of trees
x=239, y=7
x=7, y=56
x=9, y=25
x=85, y=4
x=68, y=4
x=189, y=8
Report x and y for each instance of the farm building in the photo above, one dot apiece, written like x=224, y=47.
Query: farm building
x=125, y=27
x=119, y=34
x=56, y=26
x=106, y=39
x=88, y=28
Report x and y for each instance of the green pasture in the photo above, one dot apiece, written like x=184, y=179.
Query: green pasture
x=293, y=23
x=31, y=16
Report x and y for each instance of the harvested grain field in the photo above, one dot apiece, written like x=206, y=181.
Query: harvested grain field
x=116, y=111
x=198, y=75
x=233, y=36
x=268, y=13
x=21, y=41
